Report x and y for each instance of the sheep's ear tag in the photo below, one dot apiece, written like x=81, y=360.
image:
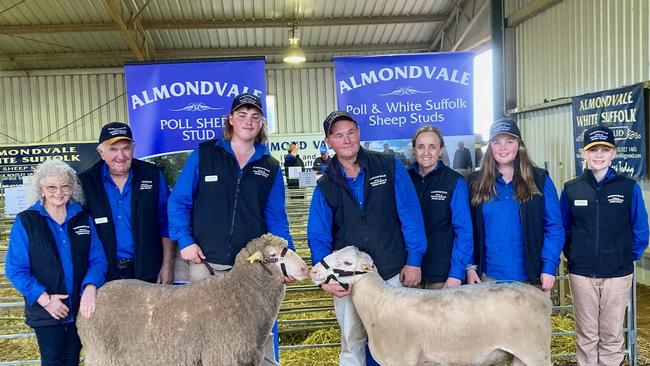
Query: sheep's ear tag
x=365, y=267
x=330, y=271
x=256, y=257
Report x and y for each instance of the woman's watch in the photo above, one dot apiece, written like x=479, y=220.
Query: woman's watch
x=471, y=266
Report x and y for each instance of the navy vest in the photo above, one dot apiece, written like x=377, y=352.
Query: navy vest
x=599, y=242
x=435, y=191
x=145, y=188
x=45, y=264
x=376, y=228
x=229, y=208
x=531, y=213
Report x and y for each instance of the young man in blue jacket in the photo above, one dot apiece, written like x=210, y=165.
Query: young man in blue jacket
x=230, y=191
x=364, y=199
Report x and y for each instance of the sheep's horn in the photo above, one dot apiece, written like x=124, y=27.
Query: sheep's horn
x=256, y=257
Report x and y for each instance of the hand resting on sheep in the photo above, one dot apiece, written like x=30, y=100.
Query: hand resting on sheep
x=482, y=324
x=222, y=320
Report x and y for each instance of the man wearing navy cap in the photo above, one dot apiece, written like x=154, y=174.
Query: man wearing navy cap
x=322, y=162
x=127, y=199
x=364, y=199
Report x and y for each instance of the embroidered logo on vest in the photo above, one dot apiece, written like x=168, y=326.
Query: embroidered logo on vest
x=81, y=230
x=145, y=185
x=378, y=180
x=261, y=171
x=615, y=198
x=439, y=195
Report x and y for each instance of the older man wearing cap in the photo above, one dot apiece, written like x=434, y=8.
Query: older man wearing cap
x=364, y=199
x=127, y=199
x=230, y=191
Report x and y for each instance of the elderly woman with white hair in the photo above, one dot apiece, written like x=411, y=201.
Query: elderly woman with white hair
x=56, y=261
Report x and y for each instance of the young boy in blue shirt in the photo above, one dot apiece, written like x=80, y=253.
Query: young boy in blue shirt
x=606, y=227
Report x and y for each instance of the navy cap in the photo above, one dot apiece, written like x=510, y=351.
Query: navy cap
x=247, y=99
x=505, y=125
x=114, y=132
x=598, y=135
x=334, y=117
x=323, y=149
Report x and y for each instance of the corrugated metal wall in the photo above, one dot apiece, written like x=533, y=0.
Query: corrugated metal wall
x=73, y=105
x=576, y=47
x=304, y=97
x=47, y=108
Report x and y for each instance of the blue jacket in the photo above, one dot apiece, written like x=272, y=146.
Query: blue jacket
x=17, y=262
x=319, y=225
x=181, y=200
x=503, y=234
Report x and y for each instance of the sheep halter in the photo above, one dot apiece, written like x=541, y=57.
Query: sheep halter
x=334, y=274
x=281, y=259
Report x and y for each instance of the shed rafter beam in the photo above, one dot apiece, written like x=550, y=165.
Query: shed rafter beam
x=443, y=29
x=470, y=25
x=212, y=52
x=224, y=23
x=528, y=11
x=126, y=32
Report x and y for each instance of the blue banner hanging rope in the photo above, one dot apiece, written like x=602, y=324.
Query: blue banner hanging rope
x=392, y=96
x=175, y=106
x=622, y=110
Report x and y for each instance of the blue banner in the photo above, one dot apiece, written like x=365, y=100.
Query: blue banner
x=175, y=106
x=392, y=96
x=622, y=110
x=19, y=161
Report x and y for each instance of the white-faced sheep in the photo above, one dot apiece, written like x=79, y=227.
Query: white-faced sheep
x=222, y=320
x=468, y=325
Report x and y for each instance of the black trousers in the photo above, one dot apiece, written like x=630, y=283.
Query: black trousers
x=59, y=345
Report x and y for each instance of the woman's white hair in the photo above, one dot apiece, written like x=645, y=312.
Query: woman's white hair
x=55, y=168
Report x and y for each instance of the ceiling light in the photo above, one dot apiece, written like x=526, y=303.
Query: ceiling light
x=295, y=53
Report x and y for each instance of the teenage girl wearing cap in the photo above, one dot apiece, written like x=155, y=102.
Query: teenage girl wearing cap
x=518, y=233
x=444, y=199
x=606, y=231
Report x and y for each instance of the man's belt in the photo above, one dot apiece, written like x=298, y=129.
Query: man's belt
x=125, y=263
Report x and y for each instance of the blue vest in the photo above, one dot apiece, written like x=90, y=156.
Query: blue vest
x=599, y=241
x=45, y=264
x=531, y=213
x=229, y=208
x=435, y=191
x=375, y=228
x=145, y=188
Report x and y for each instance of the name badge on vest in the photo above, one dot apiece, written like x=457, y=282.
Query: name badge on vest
x=211, y=178
x=81, y=230
x=378, y=180
x=580, y=203
x=101, y=220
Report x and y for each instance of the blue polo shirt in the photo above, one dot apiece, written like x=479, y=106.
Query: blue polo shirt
x=505, y=252
x=319, y=224
x=120, y=203
x=181, y=201
x=18, y=267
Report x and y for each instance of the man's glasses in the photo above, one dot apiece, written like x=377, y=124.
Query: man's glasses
x=66, y=188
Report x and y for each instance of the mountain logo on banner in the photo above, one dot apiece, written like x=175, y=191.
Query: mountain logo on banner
x=196, y=107
x=405, y=90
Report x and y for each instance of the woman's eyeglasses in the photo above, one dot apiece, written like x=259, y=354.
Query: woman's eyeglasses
x=66, y=188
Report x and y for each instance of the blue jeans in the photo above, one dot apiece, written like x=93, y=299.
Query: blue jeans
x=59, y=344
